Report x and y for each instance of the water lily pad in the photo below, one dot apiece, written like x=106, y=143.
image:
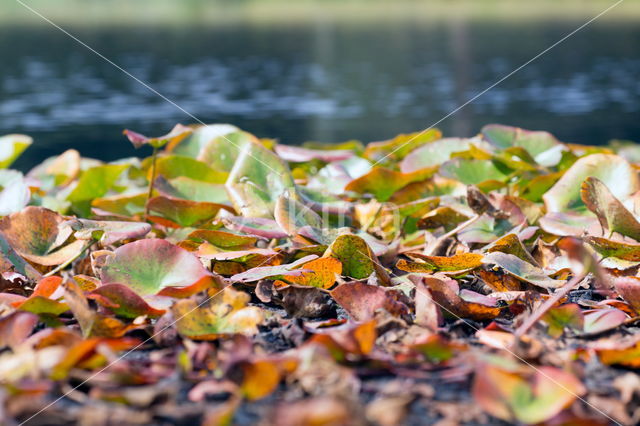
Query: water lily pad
x=383, y=182
x=176, y=166
x=291, y=215
x=225, y=313
x=36, y=234
x=176, y=134
x=192, y=189
x=256, y=181
x=14, y=192
x=295, y=154
x=107, y=232
x=267, y=228
x=183, y=213
x=94, y=183
x=148, y=266
x=543, y=146
x=614, y=171
x=121, y=205
x=435, y=153
x=472, y=172
x=398, y=147
x=194, y=143
x=123, y=301
x=11, y=146
x=224, y=239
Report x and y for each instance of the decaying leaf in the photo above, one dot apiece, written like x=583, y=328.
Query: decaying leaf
x=223, y=313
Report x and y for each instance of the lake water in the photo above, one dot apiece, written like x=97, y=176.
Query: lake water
x=326, y=80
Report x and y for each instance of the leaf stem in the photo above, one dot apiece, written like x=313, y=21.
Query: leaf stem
x=151, y=181
x=68, y=262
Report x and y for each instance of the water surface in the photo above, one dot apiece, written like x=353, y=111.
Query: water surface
x=328, y=80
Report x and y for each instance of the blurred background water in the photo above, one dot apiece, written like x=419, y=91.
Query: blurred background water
x=314, y=70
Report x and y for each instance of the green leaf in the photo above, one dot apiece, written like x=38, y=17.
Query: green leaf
x=11, y=146
x=543, y=146
x=471, y=172
x=614, y=171
x=94, y=183
x=435, y=153
x=256, y=181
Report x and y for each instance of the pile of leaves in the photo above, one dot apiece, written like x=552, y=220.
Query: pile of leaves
x=228, y=279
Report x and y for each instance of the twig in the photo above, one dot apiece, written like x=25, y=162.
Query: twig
x=535, y=316
x=440, y=239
